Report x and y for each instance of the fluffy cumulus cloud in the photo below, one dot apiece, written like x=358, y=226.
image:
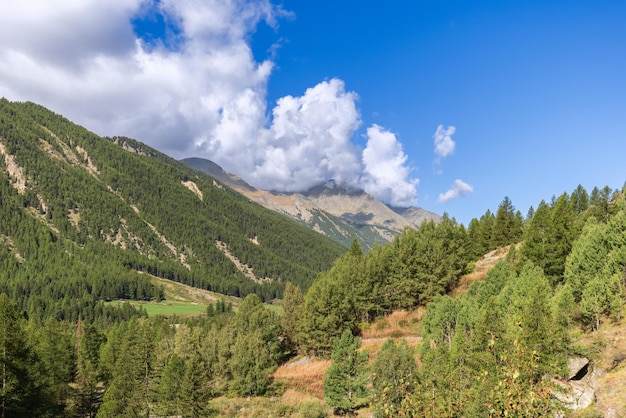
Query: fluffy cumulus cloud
x=386, y=174
x=458, y=189
x=444, y=145
x=308, y=141
x=194, y=90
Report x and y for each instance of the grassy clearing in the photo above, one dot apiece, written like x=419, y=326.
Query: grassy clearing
x=183, y=300
x=397, y=324
x=166, y=307
x=305, y=376
x=289, y=405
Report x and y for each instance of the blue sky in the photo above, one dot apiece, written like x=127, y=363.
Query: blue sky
x=526, y=99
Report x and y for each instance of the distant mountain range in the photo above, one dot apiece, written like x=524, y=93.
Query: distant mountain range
x=330, y=209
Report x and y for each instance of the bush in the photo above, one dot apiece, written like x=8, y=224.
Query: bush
x=312, y=410
x=381, y=323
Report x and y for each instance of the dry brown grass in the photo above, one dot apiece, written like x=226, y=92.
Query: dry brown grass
x=305, y=377
x=294, y=398
x=397, y=324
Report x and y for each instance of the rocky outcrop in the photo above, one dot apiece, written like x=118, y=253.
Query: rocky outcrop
x=579, y=390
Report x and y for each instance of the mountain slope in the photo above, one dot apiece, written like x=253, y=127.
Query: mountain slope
x=81, y=215
x=334, y=211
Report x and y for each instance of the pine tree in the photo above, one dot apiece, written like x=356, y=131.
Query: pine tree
x=507, y=228
x=195, y=390
x=580, y=199
x=171, y=384
x=128, y=393
x=293, y=303
x=344, y=382
x=22, y=390
x=87, y=392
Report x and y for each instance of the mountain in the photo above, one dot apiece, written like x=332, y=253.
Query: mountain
x=335, y=211
x=85, y=219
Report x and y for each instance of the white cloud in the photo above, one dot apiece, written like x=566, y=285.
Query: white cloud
x=83, y=60
x=386, y=174
x=206, y=97
x=308, y=141
x=444, y=145
x=458, y=189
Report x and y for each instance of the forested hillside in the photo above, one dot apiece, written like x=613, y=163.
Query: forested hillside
x=497, y=349
x=83, y=217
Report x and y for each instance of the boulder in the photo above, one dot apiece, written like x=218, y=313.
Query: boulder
x=579, y=390
x=578, y=367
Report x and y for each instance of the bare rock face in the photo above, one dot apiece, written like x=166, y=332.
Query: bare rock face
x=579, y=390
x=576, y=366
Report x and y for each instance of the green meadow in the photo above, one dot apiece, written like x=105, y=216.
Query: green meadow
x=167, y=307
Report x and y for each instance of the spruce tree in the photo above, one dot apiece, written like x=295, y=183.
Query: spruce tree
x=194, y=388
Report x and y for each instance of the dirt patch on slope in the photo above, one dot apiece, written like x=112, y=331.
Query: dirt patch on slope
x=481, y=267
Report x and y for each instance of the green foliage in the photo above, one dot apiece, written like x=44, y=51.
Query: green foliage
x=507, y=226
x=416, y=267
x=23, y=391
x=256, y=349
x=488, y=352
x=550, y=236
x=95, y=219
x=293, y=303
x=194, y=387
x=170, y=388
x=394, y=376
x=129, y=389
x=95, y=213
x=331, y=305
x=595, y=268
x=312, y=410
x=344, y=382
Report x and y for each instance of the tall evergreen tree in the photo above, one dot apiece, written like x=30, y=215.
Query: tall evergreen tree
x=507, y=228
x=580, y=199
x=170, y=391
x=87, y=391
x=129, y=391
x=564, y=230
x=22, y=390
x=344, y=382
x=293, y=303
x=483, y=241
x=195, y=389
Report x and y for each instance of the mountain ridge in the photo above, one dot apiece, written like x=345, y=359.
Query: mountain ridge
x=329, y=208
